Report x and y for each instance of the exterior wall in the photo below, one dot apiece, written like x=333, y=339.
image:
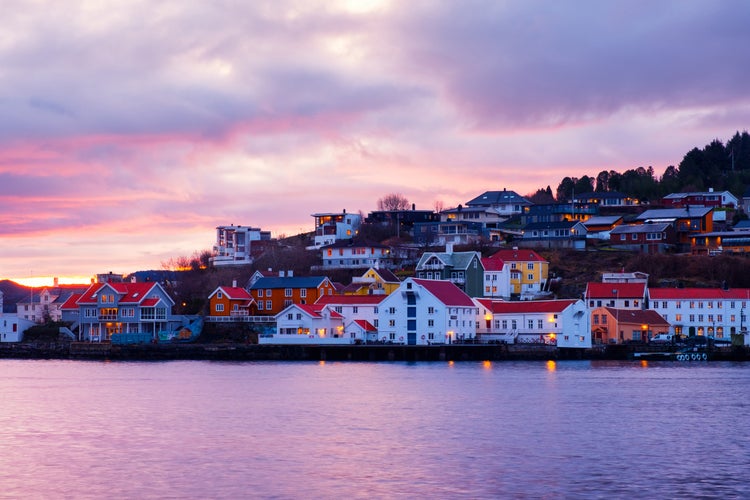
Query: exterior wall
x=717, y=317
x=434, y=322
x=355, y=257
x=233, y=244
x=296, y=326
x=220, y=305
x=330, y=228
x=497, y=283
x=387, y=286
x=469, y=279
x=529, y=276
x=281, y=298
x=12, y=327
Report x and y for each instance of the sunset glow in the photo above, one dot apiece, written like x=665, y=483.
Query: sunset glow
x=121, y=159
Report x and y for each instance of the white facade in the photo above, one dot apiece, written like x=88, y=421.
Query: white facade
x=332, y=227
x=422, y=312
x=497, y=281
x=338, y=256
x=233, y=244
x=564, y=323
x=712, y=312
x=307, y=324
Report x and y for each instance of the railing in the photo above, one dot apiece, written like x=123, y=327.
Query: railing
x=240, y=319
x=107, y=317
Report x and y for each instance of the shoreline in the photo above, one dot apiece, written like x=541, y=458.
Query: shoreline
x=257, y=352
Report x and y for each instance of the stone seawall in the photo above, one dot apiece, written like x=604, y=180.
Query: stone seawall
x=255, y=352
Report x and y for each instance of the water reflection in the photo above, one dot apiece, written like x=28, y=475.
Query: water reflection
x=355, y=430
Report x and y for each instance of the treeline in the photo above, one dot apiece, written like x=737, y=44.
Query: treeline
x=723, y=167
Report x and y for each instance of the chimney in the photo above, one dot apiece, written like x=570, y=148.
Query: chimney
x=290, y=273
x=449, y=248
x=281, y=274
x=56, y=282
x=234, y=283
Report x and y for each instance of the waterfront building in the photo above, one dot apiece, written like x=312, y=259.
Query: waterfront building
x=273, y=294
x=529, y=271
x=331, y=227
x=307, y=324
x=360, y=313
x=712, y=312
x=424, y=311
x=46, y=304
x=12, y=327
x=618, y=295
x=615, y=326
x=233, y=245
x=464, y=269
x=562, y=322
x=105, y=309
x=230, y=303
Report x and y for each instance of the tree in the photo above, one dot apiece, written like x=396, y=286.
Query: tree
x=393, y=201
x=565, y=189
x=584, y=185
x=541, y=196
x=602, y=182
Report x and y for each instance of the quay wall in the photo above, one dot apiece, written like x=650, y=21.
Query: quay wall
x=380, y=352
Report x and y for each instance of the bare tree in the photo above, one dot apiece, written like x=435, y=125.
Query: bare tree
x=439, y=206
x=393, y=201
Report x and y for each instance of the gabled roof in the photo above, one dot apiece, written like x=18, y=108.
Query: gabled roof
x=654, y=227
x=233, y=293
x=526, y=306
x=560, y=224
x=643, y=316
x=365, y=325
x=350, y=299
x=602, y=220
x=129, y=293
x=457, y=260
x=674, y=213
x=385, y=274
x=492, y=264
x=597, y=290
x=289, y=282
x=699, y=294
x=313, y=310
x=72, y=302
x=503, y=197
x=446, y=292
x=680, y=196
x=517, y=255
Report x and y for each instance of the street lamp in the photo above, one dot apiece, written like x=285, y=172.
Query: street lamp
x=616, y=293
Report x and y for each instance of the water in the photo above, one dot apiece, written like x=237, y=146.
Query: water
x=365, y=430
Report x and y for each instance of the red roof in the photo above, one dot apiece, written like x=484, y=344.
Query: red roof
x=149, y=302
x=130, y=293
x=597, y=290
x=314, y=310
x=517, y=255
x=493, y=264
x=234, y=293
x=366, y=325
x=641, y=316
x=446, y=292
x=699, y=293
x=71, y=303
x=350, y=299
x=526, y=306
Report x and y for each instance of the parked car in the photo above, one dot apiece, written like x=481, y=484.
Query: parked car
x=662, y=338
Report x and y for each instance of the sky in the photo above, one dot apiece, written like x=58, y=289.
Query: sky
x=130, y=130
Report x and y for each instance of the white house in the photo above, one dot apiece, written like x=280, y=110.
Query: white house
x=308, y=324
x=331, y=227
x=713, y=312
x=496, y=278
x=422, y=312
x=11, y=326
x=353, y=254
x=360, y=313
x=233, y=244
x=564, y=323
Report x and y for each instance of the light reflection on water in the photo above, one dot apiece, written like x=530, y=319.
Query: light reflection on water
x=355, y=430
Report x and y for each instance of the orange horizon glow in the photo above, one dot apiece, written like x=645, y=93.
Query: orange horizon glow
x=49, y=281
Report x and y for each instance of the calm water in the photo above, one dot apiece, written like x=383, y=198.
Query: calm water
x=359, y=430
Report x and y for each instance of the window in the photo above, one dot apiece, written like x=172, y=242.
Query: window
x=260, y=293
x=664, y=304
x=219, y=295
x=530, y=266
x=513, y=324
x=530, y=277
x=505, y=324
x=391, y=310
x=303, y=292
x=700, y=317
x=287, y=292
x=531, y=324
x=290, y=316
x=269, y=305
x=604, y=319
x=430, y=322
x=287, y=303
x=391, y=322
x=540, y=324
x=678, y=317
x=260, y=305
x=299, y=316
x=692, y=318
x=430, y=310
x=596, y=319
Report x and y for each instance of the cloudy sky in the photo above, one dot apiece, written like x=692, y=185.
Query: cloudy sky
x=130, y=130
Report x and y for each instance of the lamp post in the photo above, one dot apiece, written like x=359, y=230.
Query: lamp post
x=616, y=293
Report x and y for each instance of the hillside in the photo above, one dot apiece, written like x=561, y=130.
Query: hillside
x=12, y=293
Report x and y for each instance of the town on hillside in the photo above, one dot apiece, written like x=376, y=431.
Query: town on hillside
x=475, y=273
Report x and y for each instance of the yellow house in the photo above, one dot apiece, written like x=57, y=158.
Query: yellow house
x=373, y=282
x=529, y=272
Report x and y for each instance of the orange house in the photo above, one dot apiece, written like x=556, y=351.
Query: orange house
x=272, y=295
x=615, y=326
x=230, y=302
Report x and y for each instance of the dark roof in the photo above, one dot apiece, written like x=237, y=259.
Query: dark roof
x=498, y=198
x=354, y=243
x=289, y=282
